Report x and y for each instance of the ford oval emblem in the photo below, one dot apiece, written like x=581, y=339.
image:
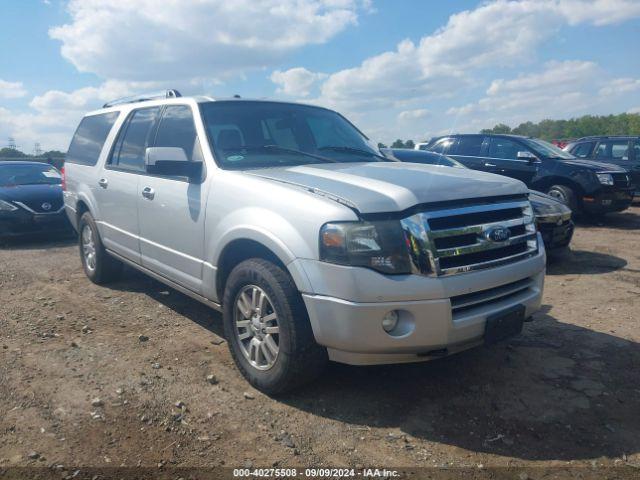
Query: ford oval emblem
x=498, y=234
x=46, y=206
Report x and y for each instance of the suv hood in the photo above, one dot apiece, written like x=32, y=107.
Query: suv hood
x=378, y=187
x=591, y=165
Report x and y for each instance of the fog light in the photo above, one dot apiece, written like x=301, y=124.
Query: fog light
x=390, y=320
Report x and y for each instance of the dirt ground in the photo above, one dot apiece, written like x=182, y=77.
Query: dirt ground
x=78, y=388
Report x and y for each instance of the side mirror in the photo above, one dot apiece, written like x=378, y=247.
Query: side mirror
x=528, y=156
x=171, y=161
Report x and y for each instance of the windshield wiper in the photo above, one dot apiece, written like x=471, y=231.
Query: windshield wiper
x=357, y=151
x=278, y=148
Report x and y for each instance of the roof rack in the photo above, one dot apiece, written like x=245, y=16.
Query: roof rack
x=171, y=93
x=608, y=136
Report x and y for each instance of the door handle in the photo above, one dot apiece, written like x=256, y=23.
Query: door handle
x=487, y=164
x=103, y=182
x=148, y=192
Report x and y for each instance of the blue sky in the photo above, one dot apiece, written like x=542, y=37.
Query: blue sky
x=398, y=69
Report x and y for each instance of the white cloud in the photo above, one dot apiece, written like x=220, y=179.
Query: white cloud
x=634, y=110
x=55, y=114
x=559, y=90
x=598, y=12
x=554, y=88
x=621, y=85
x=183, y=39
x=496, y=34
x=11, y=89
x=412, y=115
x=474, y=44
x=297, y=82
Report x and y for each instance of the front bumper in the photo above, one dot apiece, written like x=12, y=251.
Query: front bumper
x=439, y=315
x=20, y=222
x=608, y=201
x=556, y=233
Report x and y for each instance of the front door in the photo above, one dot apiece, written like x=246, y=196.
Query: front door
x=502, y=158
x=172, y=209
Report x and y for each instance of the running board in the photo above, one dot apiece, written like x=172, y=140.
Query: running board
x=167, y=282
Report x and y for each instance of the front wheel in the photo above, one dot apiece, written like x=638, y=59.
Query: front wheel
x=98, y=265
x=267, y=328
x=564, y=194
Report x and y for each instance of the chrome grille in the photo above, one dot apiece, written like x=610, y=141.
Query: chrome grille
x=458, y=240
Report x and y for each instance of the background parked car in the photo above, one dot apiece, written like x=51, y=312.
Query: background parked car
x=623, y=151
x=31, y=199
x=553, y=218
x=585, y=186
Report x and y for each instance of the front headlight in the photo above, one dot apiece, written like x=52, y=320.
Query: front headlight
x=379, y=245
x=605, y=178
x=7, y=207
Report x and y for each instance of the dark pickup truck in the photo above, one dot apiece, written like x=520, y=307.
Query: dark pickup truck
x=586, y=186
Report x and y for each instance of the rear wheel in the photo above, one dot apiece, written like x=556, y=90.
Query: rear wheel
x=98, y=265
x=267, y=328
x=564, y=194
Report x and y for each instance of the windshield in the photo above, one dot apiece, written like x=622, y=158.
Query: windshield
x=22, y=174
x=266, y=134
x=547, y=149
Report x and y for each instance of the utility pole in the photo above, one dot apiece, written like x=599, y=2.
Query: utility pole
x=37, y=151
x=12, y=143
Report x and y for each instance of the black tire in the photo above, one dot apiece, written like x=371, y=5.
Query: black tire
x=566, y=195
x=299, y=359
x=106, y=268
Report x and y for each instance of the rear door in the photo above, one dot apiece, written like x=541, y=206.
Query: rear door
x=502, y=158
x=172, y=209
x=468, y=150
x=117, y=189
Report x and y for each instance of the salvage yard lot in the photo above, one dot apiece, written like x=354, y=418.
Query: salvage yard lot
x=80, y=385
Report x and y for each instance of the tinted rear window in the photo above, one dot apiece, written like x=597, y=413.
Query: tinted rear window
x=89, y=138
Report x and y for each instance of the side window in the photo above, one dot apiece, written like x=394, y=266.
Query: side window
x=444, y=145
x=636, y=149
x=177, y=129
x=470, y=145
x=582, y=150
x=617, y=149
x=504, y=148
x=134, y=138
x=89, y=138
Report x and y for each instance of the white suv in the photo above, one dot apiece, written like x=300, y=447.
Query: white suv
x=314, y=246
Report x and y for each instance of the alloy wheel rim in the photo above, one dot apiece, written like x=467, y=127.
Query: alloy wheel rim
x=88, y=248
x=557, y=195
x=257, y=330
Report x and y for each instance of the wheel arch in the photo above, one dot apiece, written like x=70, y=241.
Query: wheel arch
x=545, y=183
x=242, y=248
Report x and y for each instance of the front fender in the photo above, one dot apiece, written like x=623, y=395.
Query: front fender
x=269, y=229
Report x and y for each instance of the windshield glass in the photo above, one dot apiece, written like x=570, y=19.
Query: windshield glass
x=547, y=149
x=257, y=134
x=44, y=174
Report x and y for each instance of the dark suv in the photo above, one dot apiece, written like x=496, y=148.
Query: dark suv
x=619, y=150
x=584, y=185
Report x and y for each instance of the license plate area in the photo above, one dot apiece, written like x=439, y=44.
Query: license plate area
x=504, y=324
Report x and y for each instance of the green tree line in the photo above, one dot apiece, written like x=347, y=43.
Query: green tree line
x=621, y=124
